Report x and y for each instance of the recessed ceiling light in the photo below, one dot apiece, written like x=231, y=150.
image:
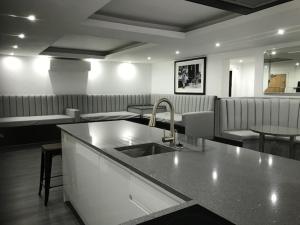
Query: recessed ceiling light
x=218, y=44
x=31, y=18
x=297, y=64
x=149, y=58
x=177, y=52
x=11, y=53
x=15, y=46
x=281, y=31
x=273, y=52
x=22, y=36
x=241, y=61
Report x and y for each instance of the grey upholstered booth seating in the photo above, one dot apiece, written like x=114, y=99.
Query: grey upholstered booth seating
x=109, y=107
x=16, y=111
x=194, y=112
x=236, y=115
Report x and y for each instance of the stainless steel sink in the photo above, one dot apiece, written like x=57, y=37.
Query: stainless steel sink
x=137, y=151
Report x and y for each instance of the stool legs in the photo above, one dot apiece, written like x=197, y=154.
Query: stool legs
x=41, y=173
x=48, y=165
x=48, y=152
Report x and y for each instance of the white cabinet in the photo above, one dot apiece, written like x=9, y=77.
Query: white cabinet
x=103, y=191
x=149, y=196
x=69, y=176
x=87, y=183
x=81, y=178
x=117, y=207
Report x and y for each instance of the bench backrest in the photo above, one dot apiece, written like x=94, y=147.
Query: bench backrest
x=188, y=103
x=37, y=105
x=242, y=113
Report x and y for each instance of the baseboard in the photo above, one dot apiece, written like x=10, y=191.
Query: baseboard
x=73, y=210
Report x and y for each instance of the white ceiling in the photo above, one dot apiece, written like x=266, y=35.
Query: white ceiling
x=89, y=42
x=177, y=13
x=70, y=23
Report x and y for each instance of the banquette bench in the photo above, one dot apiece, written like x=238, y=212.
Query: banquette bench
x=17, y=111
x=195, y=113
x=235, y=117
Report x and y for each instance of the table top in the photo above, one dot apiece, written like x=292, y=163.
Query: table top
x=276, y=130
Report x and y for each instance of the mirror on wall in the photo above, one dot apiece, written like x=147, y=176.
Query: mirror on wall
x=282, y=71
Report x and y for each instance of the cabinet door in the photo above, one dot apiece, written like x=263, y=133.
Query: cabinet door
x=88, y=184
x=149, y=196
x=69, y=176
x=116, y=206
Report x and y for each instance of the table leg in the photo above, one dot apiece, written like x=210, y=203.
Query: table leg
x=292, y=147
x=261, y=142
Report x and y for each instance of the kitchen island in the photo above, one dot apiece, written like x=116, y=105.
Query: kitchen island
x=241, y=185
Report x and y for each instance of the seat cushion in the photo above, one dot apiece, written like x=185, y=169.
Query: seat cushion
x=240, y=135
x=165, y=117
x=108, y=116
x=34, y=120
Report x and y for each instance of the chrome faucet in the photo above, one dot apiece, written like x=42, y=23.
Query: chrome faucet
x=152, y=121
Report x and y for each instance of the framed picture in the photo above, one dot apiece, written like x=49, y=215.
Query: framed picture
x=190, y=76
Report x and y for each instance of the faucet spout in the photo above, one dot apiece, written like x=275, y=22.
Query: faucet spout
x=152, y=120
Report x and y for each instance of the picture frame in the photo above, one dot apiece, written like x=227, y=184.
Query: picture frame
x=190, y=76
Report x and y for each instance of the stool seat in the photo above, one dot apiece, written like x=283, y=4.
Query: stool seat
x=52, y=147
x=48, y=152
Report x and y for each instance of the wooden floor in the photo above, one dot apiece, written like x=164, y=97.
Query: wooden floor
x=19, y=200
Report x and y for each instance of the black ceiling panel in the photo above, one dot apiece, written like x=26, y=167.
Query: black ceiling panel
x=240, y=6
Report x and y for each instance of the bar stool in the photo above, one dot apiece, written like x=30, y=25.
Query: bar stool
x=48, y=151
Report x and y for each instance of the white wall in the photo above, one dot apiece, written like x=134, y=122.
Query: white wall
x=162, y=78
x=243, y=75
x=217, y=74
x=31, y=75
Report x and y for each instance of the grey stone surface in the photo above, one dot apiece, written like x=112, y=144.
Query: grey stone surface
x=241, y=185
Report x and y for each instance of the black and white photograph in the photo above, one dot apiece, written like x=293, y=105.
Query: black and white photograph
x=190, y=76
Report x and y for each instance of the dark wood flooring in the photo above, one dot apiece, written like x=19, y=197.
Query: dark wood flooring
x=19, y=200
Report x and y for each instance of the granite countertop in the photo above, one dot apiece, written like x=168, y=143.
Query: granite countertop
x=241, y=185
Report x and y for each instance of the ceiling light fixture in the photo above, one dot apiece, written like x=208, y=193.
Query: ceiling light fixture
x=297, y=64
x=281, y=32
x=218, y=44
x=22, y=36
x=31, y=18
x=177, y=52
x=149, y=58
x=11, y=53
x=15, y=46
x=241, y=61
x=273, y=52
